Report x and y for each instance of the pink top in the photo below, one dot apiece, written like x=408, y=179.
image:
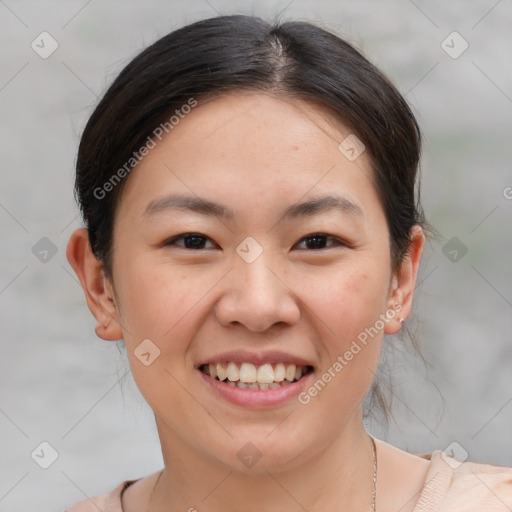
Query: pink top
x=450, y=486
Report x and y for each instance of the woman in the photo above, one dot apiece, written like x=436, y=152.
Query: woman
x=252, y=231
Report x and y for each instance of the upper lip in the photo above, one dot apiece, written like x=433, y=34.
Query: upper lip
x=256, y=358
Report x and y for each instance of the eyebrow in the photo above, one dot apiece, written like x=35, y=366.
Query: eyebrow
x=211, y=208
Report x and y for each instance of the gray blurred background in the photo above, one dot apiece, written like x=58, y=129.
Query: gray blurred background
x=63, y=386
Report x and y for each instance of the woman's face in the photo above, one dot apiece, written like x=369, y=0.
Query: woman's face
x=288, y=263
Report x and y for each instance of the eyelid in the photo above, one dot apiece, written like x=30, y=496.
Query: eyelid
x=171, y=241
x=338, y=241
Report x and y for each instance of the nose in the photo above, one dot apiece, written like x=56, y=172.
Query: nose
x=257, y=296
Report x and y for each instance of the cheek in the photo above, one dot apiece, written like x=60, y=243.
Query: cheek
x=165, y=303
x=349, y=305
x=156, y=305
x=348, y=301
x=153, y=300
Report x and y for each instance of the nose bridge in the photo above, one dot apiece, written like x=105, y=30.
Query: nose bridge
x=257, y=281
x=256, y=295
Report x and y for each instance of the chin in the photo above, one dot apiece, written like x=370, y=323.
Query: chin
x=258, y=452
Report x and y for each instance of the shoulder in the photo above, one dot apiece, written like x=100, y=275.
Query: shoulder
x=451, y=485
x=110, y=502
x=136, y=496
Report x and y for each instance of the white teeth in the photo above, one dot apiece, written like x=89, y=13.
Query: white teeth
x=250, y=376
x=232, y=372
x=265, y=374
x=221, y=373
x=290, y=372
x=279, y=372
x=248, y=372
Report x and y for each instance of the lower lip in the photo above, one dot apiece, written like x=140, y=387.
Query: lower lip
x=256, y=398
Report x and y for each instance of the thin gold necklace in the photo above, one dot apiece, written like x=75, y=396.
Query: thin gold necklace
x=374, y=493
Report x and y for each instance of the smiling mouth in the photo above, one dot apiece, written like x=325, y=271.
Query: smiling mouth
x=255, y=377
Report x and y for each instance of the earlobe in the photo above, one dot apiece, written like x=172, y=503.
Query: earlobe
x=403, y=283
x=97, y=289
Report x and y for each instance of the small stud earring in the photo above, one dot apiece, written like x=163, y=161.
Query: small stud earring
x=401, y=320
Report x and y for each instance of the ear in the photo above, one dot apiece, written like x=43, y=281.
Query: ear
x=403, y=283
x=98, y=290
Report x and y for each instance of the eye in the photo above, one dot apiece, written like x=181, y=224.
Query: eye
x=193, y=241
x=318, y=241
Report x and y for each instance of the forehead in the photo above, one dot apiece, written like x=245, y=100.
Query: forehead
x=251, y=149
x=278, y=121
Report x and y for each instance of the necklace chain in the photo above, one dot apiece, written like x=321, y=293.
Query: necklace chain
x=374, y=492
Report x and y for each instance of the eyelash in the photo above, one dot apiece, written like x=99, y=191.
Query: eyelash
x=337, y=241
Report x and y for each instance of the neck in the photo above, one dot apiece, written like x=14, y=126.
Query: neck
x=341, y=474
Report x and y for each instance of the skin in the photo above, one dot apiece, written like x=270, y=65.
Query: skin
x=256, y=154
